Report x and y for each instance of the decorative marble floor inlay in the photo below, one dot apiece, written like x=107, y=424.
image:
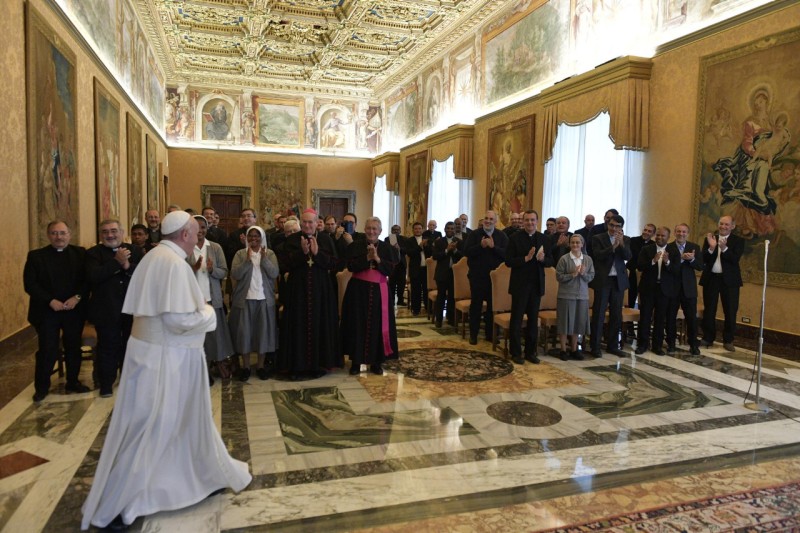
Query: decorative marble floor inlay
x=17, y=462
x=644, y=393
x=407, y=333
x=320, y=419
x=438, y=364
x=526, y=414
x=52, y=420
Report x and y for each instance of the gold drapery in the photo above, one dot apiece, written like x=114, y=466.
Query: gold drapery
x=388, y=165
x=455, y=141
x=621, y=87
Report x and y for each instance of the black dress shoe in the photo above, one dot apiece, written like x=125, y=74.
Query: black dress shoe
x=518, y=360
x=355, y=370
x=671, y=350
x=597, y=354
x=116, y=525
x=76, y=387
x=618, y=352
x=706, y=344
x=439, y=324
x=262, y=373
x=473, y=340
x=694, y=350
x=244, y=375
x=563, y=355
x=108, y=393
x=576, y=355
x=640, y=350
x=533, y=359
x=658, y=351
x=376, y=369
x=39, y=396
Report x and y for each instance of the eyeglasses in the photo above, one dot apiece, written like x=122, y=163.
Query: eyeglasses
x=613, y=225
x=59, y=233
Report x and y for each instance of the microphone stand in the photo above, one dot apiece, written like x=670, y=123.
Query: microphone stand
x=757, y=405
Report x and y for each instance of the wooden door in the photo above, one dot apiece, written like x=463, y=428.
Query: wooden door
x=228, y=207
x=333, y=206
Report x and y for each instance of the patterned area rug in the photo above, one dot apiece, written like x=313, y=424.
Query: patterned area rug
x=435, y=364
x=770, y=509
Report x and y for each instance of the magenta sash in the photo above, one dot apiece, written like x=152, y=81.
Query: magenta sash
x=373, y=276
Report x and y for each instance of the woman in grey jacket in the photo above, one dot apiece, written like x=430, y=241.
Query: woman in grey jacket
x=574, y=271
x=252, y=321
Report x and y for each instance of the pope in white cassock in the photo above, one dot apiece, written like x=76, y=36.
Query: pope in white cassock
x=162, y=451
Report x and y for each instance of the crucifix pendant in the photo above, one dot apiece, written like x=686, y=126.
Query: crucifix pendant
x=310, y=260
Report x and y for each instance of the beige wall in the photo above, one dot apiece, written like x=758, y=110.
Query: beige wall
x=189, y=169
x=14, y=243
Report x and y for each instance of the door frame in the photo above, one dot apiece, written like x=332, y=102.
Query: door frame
x=207, y=190
x=317, y=194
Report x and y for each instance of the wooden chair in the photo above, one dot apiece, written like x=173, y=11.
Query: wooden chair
x=501, y=307
x=548, y=317
x=342, y=279
x=462, y=293
x=430, y=267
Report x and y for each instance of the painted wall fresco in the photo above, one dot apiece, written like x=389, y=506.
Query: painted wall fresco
x=114, y=32
x=403, y=112
x=749, y=163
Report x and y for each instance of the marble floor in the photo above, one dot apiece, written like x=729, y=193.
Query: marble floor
x=452, y=438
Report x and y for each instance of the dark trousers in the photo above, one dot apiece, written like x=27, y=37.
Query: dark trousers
x=524, y=302
x=609, y=297
x=111, y=343
x=397, y=282
x=714, y=290
x=56, y=328
x=481, y=290
x=446, y=295
x=653, y=311
x=633, y=289
x=689, y=306
x=419, y=289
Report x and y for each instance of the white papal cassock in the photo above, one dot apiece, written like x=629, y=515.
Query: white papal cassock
x=162, y=451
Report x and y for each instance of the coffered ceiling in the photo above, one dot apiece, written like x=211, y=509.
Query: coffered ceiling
x=336, y=47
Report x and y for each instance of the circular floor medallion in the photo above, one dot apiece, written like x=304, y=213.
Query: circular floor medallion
x=526, y=414
x=407, y=333
x=449, y=365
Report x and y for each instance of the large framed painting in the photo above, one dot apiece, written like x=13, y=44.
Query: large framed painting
x=278, y=122
x=134, y=143
x=280, y=188
x=52, y=131
x=151, y=167
x=106, y=152
x=509, y=173
x=417, y=181
x=747, y=165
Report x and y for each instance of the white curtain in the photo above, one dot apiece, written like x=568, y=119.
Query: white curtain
x=443, y=199
x=464, y=198
x=382, y=205
x=587, y=175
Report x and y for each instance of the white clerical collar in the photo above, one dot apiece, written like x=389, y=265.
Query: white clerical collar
x=177, y=249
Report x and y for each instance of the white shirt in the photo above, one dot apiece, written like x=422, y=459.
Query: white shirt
x=256, y=289
x=202, y=274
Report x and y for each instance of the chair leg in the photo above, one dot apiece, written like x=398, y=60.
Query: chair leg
x=494, y=337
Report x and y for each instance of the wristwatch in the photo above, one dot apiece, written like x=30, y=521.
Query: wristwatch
x=78, y=297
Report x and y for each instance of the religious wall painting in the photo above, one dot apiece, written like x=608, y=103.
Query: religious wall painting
x=217, y=118
x=126, y=33
x=106, y=152
x=135, y=196
x=98, y=18
x=510, y=161
x=335, y=128
x=280, y=188
x=52, y=132
x=278, y=122
x=748, y=160
x=462, y=85
x=433, y=105
x=154, y=97
x=151, y=168
x=402, y=112
x=417, y=182
x=374, y=129
x=526, y=50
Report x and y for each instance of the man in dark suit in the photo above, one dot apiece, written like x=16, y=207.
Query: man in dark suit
x=459, y=234
x=527, y=255
x=637, y=243
x=55, y=279
x=559, y=240
x=431, y=234
x=417, y=249
x=153, y=218
x=611, y=250
x=464, y=219
x=658, y=267
x=109, y=267
x=516, y=224
x=721, y=279
x=603, y=228
x=447, y=251
x=587, y=233
x=236, y=239
x=214, y=232
x=397, y=279
x=485, y=250
x=684, y=293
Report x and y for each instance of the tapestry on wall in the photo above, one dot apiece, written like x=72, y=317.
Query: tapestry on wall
x=417, y=182
x=509, y=159
x=748, y=162
x=134, y=143
x=52, y=132
x=106, y=153
x=280, y=188
x=152, y=175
